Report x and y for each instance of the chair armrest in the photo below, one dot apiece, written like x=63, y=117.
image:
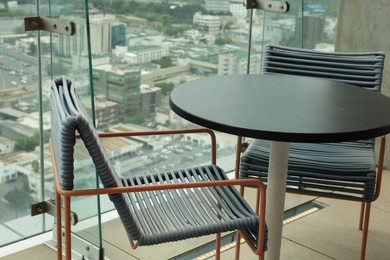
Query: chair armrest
x=187, y=185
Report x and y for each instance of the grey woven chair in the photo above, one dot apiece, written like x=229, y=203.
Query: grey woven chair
x=345, y=171
x=155, y=208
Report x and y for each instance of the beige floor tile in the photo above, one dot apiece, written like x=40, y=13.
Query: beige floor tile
x=36, y=252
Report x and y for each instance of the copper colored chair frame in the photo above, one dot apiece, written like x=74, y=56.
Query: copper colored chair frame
x=67, y=194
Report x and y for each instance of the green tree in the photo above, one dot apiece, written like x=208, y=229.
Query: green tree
x=166, y=87
x=56, y=69
x=19, y=30
x=164, y=62
x=219, y=41
x=35, y=166
x=136, y=119
x=223, y=40
x=32, y=49
x=5, y=3
x=27, y=144
x=20, y=197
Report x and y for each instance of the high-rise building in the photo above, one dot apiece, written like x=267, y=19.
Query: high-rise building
x=106, y=112
x=217, y=5
x=207, y=23
x=118, y=35
x=150, y=99
x=100, y=32
x=122, y=87
x=236, y=63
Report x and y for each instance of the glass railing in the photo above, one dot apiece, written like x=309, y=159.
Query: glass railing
x=124, y=59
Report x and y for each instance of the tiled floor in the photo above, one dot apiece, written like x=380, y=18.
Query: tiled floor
x=330, y=233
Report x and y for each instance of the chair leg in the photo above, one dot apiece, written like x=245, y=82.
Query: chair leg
x=218, y=246
x=238, y=245
x=261, y=256
x=68, y=246
x=365, y=230
x=361, y=220
x=238, y=235
x=58, y=226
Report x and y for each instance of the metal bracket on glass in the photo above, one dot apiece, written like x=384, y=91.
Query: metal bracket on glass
x=52, y=25
x=49, y=207
x=81, y=248
x=275, y=6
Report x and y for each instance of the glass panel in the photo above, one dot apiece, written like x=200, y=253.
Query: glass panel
x=308, y=24
x=273, y=27
x=143, y=49
x=23, y=132
x=284, y=28
x=154, y=46
x=71, y=56
x=127, y=55
x=28, y=62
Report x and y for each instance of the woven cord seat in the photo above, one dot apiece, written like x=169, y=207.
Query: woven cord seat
x=344, y=170
x=155, y=208
x=315, y=169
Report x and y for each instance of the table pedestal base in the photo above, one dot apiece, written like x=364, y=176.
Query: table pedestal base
x=276, y=191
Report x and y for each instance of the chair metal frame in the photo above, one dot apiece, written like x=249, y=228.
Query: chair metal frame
x=270, y=66
x=63, y=196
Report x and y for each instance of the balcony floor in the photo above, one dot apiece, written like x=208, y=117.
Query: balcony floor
x=329, y=233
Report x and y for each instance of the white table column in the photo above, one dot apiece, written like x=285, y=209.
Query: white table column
x=276, y=191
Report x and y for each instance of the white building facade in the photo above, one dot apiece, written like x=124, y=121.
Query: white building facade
x=207, y=23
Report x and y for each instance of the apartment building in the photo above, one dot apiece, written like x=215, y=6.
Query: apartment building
x=207, y=23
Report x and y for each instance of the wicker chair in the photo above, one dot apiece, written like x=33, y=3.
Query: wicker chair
x=346, y=170
x=154, y=208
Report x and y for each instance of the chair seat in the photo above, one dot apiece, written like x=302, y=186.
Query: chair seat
x=343, y=170
x=174, y=215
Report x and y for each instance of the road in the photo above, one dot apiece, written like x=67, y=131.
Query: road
x=14, y=72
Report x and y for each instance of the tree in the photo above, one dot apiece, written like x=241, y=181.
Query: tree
x=56, y=69
x=5, y=3
x=27, y=144
x=166, y=87
x=20, y=197
x=136, y=119
x=222, y=41
x=164, y=62
x=35, y=166
x=19, y=30
x=32, y=49
x=219, y=41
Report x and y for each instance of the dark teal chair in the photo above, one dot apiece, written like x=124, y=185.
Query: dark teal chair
x=346, y=171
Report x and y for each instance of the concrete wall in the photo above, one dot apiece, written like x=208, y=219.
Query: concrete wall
x=365, y=26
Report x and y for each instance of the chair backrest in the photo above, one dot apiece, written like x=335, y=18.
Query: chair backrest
x=68, y=116
x=360, y=69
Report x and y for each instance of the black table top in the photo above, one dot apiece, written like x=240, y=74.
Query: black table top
x=283, y=108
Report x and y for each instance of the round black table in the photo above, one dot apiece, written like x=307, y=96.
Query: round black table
x=282, y=109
